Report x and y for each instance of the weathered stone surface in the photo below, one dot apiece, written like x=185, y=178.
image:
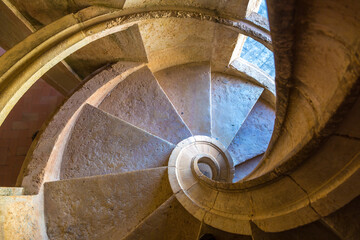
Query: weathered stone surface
x=232, y=100
x=254, y=135
x=234, y=8
x=243, y=169
x=102, y=144
x=125, y=45
x=21, y=217
x=346, y=221
x=188, y=88
x=221, y=235
x=140, y=101
x=44, y=160
x=176, y=41
x=225, y=42
x=312, y=231
x=169, y=221
x=103, y=207
x=11, y=191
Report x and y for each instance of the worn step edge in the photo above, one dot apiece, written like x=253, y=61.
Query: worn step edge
x=102, y=176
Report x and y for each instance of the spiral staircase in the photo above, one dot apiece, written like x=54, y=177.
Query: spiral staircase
x=174, y=136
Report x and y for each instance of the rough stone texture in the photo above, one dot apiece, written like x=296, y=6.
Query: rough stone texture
x=12, y=191
x=346, y=221
x=140, y=101
x=312, y=231
x=21, y=217
x=188, y=88
x=125, y=45
x=101, y=144
x=44, y=160
x=169, y=221
x=225, y=42
x=176, y=41
x=234, y=8
x=38, y=11
x=243, y=169
x=103, y=207
x=254, y=135
x=232, y=100
x=221, y=235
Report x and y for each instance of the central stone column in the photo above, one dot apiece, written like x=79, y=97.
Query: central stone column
x=205, y=158
x=198, y=167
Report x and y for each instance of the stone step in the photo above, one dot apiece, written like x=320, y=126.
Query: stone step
x=11, y=191
x=126, y=45
x=102, y=144
x=103, y=207
x=171, y=221
x=232, y=100
x=140, y=101
x=20, y=217
x=254, y=135
x=245, y=168
x=188, y=88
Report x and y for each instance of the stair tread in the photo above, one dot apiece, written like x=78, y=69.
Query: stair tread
x=99, y=206
x=170, y=221
x=188, y=88
x=102, y=144
x=232, y=100
x=254, y=135
x=140, y=101
x=244, y=168
x=126, y=45
x=11, y=191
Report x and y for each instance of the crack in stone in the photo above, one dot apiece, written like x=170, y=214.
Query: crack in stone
x=321, y=218
x=346, y=136
x=307, y=194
